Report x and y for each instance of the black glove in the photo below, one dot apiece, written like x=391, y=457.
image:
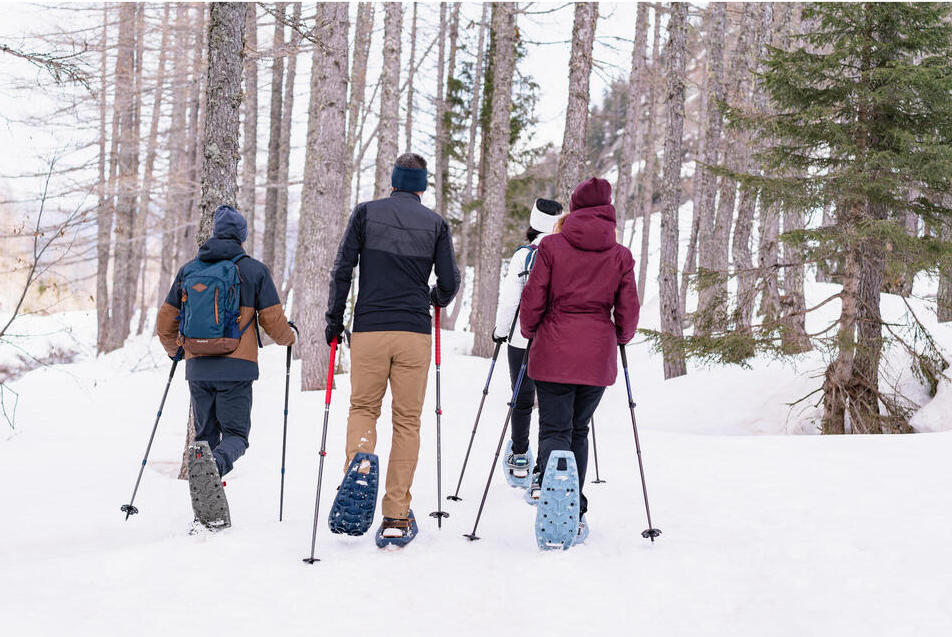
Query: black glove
x=178, y=355
x=499, y=340
x=333, y=331
x=434, y=297
x=293, y=327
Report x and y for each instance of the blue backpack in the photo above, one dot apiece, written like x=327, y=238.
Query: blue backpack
x=530, y=258
x=210, y=311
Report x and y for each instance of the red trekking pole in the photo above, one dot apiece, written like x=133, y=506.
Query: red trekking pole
x=320, y=467
x=439, y=514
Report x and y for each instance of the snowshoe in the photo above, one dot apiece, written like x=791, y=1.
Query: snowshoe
x=557, y=518
x=396, y=532
x=517, y=467
x=582, y=531
x=353, y=510
x=208, y=494
x=535, y=489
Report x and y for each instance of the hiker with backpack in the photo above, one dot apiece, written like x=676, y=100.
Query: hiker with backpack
x=397, y=242
x=580, y=302
x=212, y=314
x=517, y=461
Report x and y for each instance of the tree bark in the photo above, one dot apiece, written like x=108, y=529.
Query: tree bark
x=388, y=129
x=411, y=72
x=634, y=133
x=650, y=163
x=324, y=188
x=274, y=140
x=440, y=136
x=104, y=207
x=494, y=200
x=358, y=84
x=249, y=149
x=671, y=326
x=284, y=157
x=944, y=296
x=572, y=157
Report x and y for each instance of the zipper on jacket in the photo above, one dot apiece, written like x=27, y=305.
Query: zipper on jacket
x=216, y=306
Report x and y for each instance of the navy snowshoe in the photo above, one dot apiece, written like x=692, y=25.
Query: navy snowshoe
x=557, y=518
x=396, y=532
x=209, y=503
x=517, y=467
x=353, y=510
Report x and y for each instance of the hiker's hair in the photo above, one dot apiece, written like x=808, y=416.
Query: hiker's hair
x=410, y=160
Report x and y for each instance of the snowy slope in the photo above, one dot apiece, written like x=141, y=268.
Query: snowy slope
x=763, y=535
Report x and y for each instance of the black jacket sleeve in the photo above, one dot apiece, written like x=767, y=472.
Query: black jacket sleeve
x=447, y=274
x=348, y=255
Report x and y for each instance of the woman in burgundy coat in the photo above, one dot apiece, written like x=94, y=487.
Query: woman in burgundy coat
x=579, y=304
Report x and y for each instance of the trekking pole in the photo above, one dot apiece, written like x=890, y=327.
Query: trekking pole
x=439, y=514
x=597, y=479
x=650, y=532
x=130, y=509
x=492, y=365
x=320, y=466
x=284, y=437
x=502, y=436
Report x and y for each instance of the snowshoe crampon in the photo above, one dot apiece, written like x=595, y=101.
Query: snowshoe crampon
x=353, y=510
x=557, y=518
x=396, y=532
x=209, y=503
x=517, y=467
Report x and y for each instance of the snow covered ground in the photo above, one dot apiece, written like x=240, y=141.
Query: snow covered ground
x=763, y=535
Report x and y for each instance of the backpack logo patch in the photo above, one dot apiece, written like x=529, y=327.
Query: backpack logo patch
x=199, y=287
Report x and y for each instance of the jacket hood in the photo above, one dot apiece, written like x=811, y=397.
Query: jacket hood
x=219, y=249
x=591, y=229
x=229, y=224
x=590, y=193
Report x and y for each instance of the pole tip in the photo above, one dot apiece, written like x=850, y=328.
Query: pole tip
x=311, y=560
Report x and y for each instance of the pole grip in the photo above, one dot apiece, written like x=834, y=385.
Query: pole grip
x=624, y=355
x=330, y=372
x=437, y=334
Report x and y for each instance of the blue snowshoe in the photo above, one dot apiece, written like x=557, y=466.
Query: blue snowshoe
x=582, y=531
x=356, y=501
x=557, y=518
x=396, y=532
x=517, y=467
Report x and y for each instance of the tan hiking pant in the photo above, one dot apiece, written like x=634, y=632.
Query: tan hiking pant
x=403, y=359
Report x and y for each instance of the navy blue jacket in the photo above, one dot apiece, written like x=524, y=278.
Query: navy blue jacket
x=259, y=301
x=397, y=241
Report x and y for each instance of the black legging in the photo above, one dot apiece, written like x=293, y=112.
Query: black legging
x=522, y=412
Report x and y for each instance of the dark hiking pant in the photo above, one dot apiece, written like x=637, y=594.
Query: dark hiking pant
x=564, y=414
x=222, y=418
x=522, y=410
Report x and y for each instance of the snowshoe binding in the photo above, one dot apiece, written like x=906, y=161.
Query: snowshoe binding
x=208, y=494
x=396, y=532
x=517, y=467
x=557, y=518
x=582, y=531
x=353, y=510
x=534, y=490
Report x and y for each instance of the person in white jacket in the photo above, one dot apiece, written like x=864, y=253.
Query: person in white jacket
x=518, y=458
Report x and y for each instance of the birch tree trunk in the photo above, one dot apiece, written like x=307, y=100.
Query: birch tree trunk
x=494, y=200
x=633, y=133
x=411, y=71
x=709, y=304
x=388, y=130
x=358, y=84
x=671, y=322
x=268, y=252
x=576, y=112
x=324, y=188
x=650, y=163
x=284, y=157
x=249, y=149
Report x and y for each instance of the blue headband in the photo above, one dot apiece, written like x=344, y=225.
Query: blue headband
x=408, y=179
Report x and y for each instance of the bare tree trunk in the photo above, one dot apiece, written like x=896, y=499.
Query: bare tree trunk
x=284, y=157
x=466, y=229
x=440, y=136
x=389, y=128
x=411, y=72
x=358, y=84
x=324, y=188
x=249, y=149
x=768, y=260
x=944, y=296
x=634, y=133
x=274, y=140
x=671, y=326
x=104, y=208
x=490, y=248
x=650, y=163
x=572, y=157
x=196, y=127
x=704, y=212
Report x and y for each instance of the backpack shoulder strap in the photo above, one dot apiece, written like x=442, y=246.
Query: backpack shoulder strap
x=530, y=258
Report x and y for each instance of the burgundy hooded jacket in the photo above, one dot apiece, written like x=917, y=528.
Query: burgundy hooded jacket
x=581, y=300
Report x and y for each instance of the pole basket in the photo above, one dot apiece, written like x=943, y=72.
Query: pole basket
x=650, y=534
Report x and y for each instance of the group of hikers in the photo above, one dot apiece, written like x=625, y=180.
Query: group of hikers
x=569, y=296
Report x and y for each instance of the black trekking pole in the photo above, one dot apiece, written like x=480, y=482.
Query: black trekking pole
x=651, y=532
x=284, y=437
x=598, y=479
x=502, y=436
x=479, y=412
x=130, y=509
x=323, y=452
x=439, y=514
